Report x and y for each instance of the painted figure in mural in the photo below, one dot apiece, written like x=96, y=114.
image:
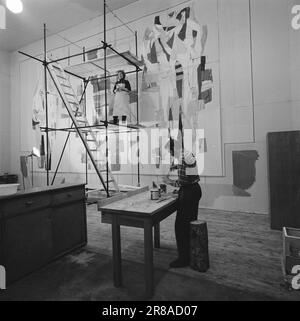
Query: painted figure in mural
x=38, y=108
x=173, y=50
x=189, y=46
x=98, y=97
x=121, y=90
x=189, y=196
x=39, y=119
x=166, y=64
x=159, y=66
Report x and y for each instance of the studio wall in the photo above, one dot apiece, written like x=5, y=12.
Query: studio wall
x=4, y=111
x=255, y=64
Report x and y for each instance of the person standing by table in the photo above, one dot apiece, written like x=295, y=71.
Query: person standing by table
x=121, y=101
x=189, y=196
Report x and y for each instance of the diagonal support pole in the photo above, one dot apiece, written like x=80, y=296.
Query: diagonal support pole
x=69, y=134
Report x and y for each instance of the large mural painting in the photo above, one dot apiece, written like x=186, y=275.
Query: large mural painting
x=180, y=81
x=179, y=90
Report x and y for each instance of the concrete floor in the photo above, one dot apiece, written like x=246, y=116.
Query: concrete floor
x=244, y=259
x=244, y=252
x=87, y=276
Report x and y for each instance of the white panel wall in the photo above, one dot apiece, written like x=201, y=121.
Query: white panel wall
x=294, y=36
x=4, y=111
x=271, y=66
x=236, y=69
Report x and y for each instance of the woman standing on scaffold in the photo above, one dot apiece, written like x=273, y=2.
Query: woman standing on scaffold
x=121, y=103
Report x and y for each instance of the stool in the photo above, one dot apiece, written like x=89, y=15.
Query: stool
x=199, y=246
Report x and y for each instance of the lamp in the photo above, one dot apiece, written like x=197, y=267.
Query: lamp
x=15, y=6
x=35, y=153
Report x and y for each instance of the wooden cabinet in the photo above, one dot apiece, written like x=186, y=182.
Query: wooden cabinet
x=284, y=179
x=27, y=243
x=40, y=225
x=64, y=237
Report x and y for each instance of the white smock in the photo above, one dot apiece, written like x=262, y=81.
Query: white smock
x=121, y=103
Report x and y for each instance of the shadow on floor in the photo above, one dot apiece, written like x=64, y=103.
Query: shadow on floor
x=87, y=276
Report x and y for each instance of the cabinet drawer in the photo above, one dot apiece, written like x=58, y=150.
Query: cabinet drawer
x=25, y=204
x=68, y=196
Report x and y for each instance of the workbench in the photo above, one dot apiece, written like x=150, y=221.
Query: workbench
x=137, y=211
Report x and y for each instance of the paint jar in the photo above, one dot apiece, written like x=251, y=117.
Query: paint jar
x=124, y=119
x=155, y=194
x=116, y=120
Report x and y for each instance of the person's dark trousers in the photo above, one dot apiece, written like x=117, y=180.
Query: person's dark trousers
x=188, y=204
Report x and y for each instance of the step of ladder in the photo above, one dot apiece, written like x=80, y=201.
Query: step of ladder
x=82, y=121
x=70, y=95
x=67, y=86
x=74, y=104
x=61, y=77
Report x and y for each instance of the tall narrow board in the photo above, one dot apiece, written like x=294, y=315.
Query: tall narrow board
x=284, y=179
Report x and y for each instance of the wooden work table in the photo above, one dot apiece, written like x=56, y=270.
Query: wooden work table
x=141, y=212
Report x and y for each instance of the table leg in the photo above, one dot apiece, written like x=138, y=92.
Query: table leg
x=157, y=236
x=117, y=260
x=149, y=273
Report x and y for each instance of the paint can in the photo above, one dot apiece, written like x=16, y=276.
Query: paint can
x=155, y=194
x=124, y=119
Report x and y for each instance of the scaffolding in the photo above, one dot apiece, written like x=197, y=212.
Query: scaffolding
x=82, y=71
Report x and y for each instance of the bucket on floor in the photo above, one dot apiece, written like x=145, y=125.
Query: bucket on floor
x=291, y=257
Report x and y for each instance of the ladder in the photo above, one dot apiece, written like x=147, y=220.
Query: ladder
x=82, y=126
